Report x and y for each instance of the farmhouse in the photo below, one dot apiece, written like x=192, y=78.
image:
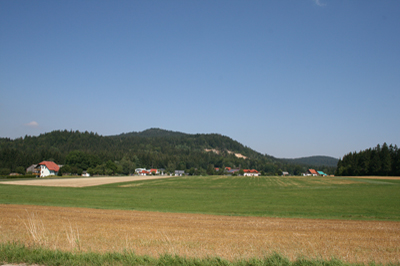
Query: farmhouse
x=179, y=172
x=144, y=171
x=252, y=172
x=311, y=172
x=47, y=168
x=154, y=171
x=321, y=173
x=232, y=171
x=33, y=169
x=84, y=173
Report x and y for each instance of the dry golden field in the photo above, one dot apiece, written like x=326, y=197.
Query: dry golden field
x=198, y=235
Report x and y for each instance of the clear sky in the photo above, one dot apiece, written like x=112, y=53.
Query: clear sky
x=289, y=78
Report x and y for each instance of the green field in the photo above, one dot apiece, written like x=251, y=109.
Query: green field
x=303, y=197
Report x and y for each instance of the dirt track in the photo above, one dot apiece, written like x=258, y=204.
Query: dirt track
x=199, y=235
x=80, y=181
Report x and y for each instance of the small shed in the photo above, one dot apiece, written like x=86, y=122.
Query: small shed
x=179, y=172
x=84, y=173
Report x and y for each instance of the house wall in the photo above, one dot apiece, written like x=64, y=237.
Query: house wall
x=44, y=171
x=251, y=174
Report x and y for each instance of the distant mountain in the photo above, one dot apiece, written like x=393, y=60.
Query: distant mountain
x=314, y=160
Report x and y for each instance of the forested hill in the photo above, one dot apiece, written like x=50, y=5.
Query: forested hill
x=152, y=148
x=154, y=132
x=314, y=160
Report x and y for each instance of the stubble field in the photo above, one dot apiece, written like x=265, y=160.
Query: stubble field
x=80, y=182
x=197, y=235
x=201, y=235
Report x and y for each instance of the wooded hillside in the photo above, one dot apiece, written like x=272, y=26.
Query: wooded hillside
x=152, y=148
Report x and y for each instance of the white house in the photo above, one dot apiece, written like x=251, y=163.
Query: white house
x=47, y=168
x=84, y=173
x=141, y=171
x=179, y=172
x=252, y=172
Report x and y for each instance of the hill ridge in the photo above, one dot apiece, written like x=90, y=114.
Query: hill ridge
x=154, y=147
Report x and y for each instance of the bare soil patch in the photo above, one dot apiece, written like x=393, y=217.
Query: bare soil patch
x=80, y=181
x=198, y=235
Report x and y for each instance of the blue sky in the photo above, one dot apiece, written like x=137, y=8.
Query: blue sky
x=289, y=78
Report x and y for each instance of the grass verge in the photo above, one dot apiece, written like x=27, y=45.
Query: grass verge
x=19, y=253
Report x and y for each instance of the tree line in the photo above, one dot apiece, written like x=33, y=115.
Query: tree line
x=379, y=161
x=121, y=154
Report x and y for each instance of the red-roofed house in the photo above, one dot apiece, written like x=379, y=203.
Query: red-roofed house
x=312, y=172
x=144, y=172
x=47, y=168
x=155, y=171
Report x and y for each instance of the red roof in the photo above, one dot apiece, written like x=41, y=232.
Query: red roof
x=153, y=170
x=250, y=171
x=312, y=171
x=52, y=166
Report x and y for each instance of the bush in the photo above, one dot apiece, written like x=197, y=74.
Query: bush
x=20, y=170
x=5, y=171
x=16, y=176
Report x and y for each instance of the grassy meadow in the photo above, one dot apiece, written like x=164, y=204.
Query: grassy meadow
x=302, y=197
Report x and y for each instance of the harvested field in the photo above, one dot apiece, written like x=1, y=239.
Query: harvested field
x=198, y=235
x=81, y=181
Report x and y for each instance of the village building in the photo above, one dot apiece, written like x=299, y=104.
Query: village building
x=47, y=168
x=250, y=172
x=86, y=174
x=33, y=169
x=311, y=172
x=179, y=172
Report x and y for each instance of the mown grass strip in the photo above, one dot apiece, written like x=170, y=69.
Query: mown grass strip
x=19, y=253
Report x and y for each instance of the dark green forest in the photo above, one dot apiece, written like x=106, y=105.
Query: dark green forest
x=314, y=160
x=379, y=161
x=152, y=148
